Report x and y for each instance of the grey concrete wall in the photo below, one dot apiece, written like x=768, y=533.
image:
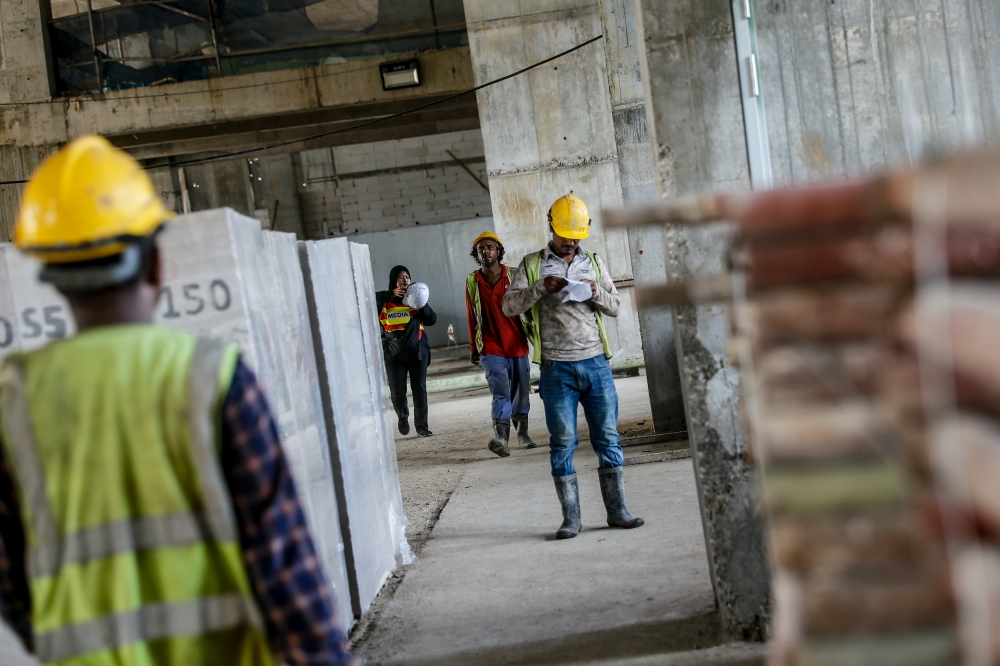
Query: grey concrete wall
x=396, y=184
x=274, y=181
x=635, y=168
x=437, y=255
x=550, y=131
x=695, y=123
x=861, y=85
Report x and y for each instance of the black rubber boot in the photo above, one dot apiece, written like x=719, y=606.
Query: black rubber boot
x=569, y=498
x=613, y=492
x=520, y=424
x=501, y=433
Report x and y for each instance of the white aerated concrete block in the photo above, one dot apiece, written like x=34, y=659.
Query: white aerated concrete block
x=349, y=352
x=31, y=313
x=225, y=278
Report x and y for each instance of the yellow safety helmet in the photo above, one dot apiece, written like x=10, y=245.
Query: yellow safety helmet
x=487, y=235
x=569, y=217
x=88, y=201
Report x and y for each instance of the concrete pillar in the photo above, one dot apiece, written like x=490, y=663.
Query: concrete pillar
x=24, y=38
x=695, y=122
x=635, y=168
x=24, y=77
x=550, y=131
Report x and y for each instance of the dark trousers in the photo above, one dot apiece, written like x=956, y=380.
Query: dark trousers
x=417, y=369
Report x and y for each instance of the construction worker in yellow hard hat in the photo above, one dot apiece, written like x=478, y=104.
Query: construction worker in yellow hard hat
x=498, y=343
x=568, y=292
x=142, y=485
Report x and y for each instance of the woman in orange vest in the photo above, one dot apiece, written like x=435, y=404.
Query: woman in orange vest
x=406, y=350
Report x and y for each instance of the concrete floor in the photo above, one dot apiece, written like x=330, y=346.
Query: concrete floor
x=492, y=586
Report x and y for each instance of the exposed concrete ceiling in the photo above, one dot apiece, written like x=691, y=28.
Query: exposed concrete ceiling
x=207, y=140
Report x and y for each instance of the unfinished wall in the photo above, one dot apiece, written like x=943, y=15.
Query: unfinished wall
x=371, y=187
x=861, y=85
x=694, y=111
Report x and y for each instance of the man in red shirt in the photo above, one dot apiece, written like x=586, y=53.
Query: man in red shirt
x=498, y=343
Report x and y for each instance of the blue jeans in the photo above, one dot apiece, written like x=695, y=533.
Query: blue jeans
x=563, y=385
x=510, y=384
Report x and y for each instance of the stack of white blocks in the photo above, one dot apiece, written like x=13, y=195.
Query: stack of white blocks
x=338, y=277
x=225, y=278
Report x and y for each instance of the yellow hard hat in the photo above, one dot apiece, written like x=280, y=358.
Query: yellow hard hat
x=88, y=201
x=569, y=217
x=487, y=235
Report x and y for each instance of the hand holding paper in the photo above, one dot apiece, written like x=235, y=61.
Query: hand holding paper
x=576, y=291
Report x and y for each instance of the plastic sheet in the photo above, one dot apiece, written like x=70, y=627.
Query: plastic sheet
x=368, y=481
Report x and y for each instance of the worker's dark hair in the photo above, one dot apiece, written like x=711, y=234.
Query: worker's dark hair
x=475, y=253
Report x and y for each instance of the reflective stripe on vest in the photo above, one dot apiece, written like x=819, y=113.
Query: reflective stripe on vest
x=396, y=317
x=533, y=270
x=65, y=568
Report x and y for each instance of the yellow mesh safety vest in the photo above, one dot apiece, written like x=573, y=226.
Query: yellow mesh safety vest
x=132, y=544
x=533, y=270
x=472, y=288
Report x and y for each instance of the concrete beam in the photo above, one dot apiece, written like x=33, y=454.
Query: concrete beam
x=244, y=98
x=696, y=129
x=458, y=114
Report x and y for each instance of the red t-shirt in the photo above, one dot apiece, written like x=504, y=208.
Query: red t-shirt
x=502, y=335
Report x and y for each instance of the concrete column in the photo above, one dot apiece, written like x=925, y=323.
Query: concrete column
x=695, y=122
x=635, y=167
x=550, y=131
x=24, y=41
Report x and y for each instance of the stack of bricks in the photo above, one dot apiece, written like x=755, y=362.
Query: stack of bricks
x=866, y=321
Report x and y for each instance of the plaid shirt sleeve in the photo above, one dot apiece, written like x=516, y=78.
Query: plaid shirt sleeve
x=279, y=554
x=15, y=600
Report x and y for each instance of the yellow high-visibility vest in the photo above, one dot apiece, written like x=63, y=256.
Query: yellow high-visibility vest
x=533, y=270
x=132, y=543
x=472, y=288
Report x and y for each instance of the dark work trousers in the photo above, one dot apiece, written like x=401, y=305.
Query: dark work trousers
x=397, y=370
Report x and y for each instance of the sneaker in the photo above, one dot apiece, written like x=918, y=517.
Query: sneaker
x=424, y=432
x=404, y=426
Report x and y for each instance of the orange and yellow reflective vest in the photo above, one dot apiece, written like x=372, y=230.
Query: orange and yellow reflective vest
x=396, y=317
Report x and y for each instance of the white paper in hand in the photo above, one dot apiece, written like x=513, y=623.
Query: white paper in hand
x=575, y=291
